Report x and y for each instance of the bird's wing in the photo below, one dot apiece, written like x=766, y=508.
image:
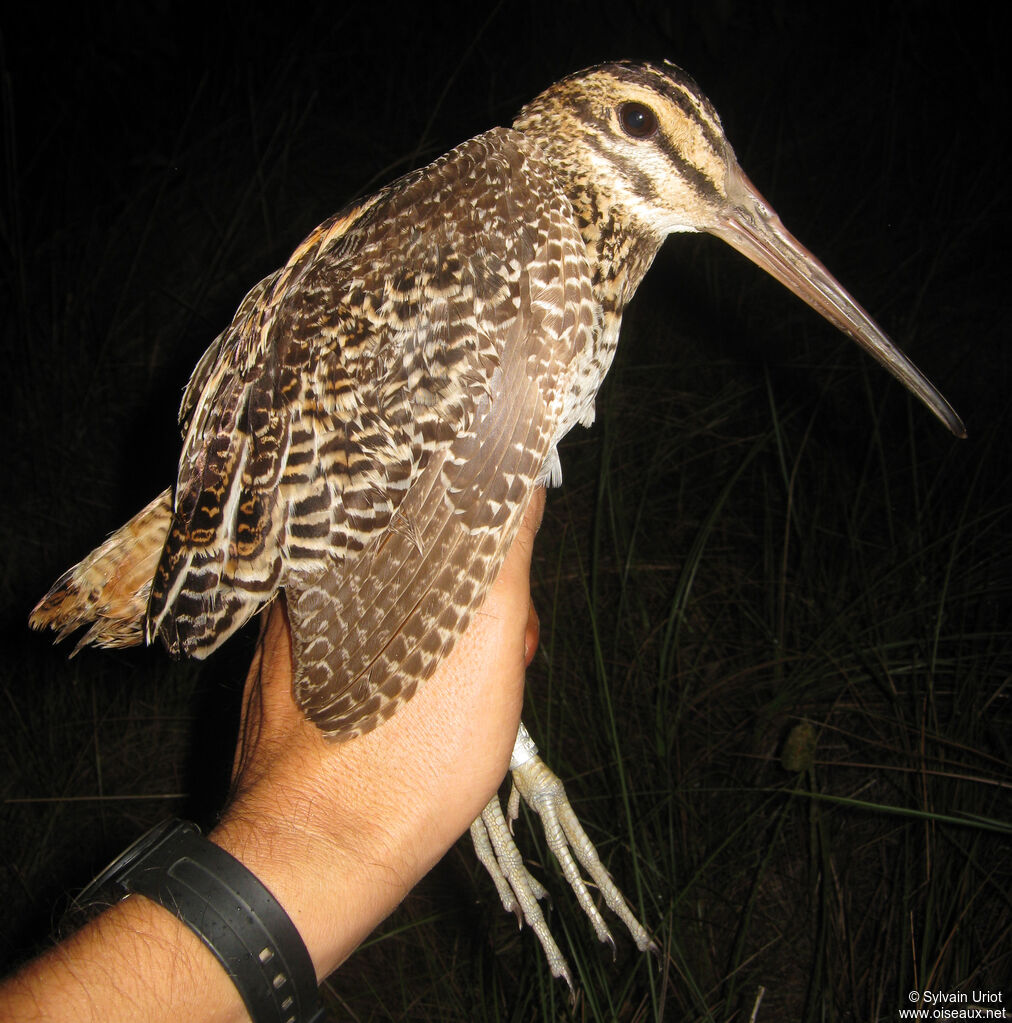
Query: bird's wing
x=366, y=432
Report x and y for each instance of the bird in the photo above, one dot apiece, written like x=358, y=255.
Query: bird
x=364, y=435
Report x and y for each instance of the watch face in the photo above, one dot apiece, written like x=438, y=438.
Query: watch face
x=120, y=866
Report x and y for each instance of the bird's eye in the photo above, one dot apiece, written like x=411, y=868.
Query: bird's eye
x=638, y=121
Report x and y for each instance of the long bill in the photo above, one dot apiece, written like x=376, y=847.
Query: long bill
x=751, y=226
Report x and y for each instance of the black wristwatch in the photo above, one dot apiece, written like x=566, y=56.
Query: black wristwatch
x=229, y=909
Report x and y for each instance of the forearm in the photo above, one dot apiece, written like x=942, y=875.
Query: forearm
x=134, y=962
x=137, y=961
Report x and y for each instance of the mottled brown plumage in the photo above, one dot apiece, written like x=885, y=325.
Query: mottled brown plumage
x=366, y=432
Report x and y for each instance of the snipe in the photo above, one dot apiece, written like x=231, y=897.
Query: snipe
x=366, y=432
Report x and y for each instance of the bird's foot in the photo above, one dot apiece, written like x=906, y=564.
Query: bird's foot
x=518, y=889
x=545, y=794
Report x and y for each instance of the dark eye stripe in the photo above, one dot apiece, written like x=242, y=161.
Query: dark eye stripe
x=702, y=181
x=638, y=120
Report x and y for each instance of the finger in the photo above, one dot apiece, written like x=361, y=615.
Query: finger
x=268, y=710
x=533, y=515
x=514, y=575
x=532, y=635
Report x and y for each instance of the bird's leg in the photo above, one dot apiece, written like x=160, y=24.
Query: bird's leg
x=544, y=793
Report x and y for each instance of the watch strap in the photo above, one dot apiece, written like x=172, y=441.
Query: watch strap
x=229, y=909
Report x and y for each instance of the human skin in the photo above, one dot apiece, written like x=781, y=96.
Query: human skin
x=339, y=832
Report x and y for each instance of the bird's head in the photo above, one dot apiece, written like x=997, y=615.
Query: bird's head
x=642, y=151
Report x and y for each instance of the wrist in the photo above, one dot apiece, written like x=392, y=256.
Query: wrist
x=336, y=881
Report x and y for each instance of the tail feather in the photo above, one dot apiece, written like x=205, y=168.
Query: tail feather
x=109, y=589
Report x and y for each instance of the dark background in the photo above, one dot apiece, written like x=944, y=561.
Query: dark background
x=159, y=161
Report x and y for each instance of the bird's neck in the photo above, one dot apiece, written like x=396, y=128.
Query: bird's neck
x=620, y=249
x=619, y=253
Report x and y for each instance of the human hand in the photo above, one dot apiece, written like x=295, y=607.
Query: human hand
x=340, y=832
